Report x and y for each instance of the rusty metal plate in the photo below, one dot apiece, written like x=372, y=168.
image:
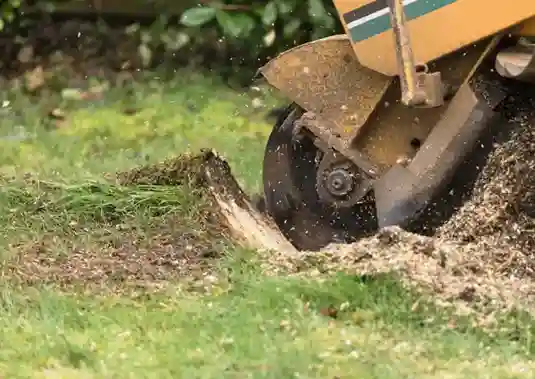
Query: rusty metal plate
x=394, y=131
x=325, y=77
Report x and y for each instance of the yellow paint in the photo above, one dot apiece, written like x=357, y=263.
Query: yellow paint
x=442, y=31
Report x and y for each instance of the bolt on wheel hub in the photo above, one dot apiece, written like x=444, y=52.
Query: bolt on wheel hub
x=339, y=183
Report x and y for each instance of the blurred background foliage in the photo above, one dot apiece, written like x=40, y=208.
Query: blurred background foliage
x=254, y=28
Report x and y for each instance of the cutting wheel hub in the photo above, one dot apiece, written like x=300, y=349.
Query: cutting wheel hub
x=314, y=195
x=340, y=182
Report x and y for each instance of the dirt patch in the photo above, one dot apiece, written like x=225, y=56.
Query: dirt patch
x=172, y=247
x=122, y=260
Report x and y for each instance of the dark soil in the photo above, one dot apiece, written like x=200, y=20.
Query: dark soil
x=169, y=248
x=146, y=259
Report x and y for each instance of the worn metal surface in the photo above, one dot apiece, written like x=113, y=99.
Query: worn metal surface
x=418, y=87
x=325, y=78
x=410, y=94
x=395, y=132
x=403, y=192
x=340, y=96
x=340, y=182
x=517, y=62
x=527, y=28
x=407, y=153
x=325, y=139
x=406, y=190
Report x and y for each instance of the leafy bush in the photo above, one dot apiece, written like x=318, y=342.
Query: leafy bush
x=257, y=26
x=264, y=25
x=8, y=9
x=231, y=36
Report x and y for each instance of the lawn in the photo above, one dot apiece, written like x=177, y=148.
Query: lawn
x=109, y=281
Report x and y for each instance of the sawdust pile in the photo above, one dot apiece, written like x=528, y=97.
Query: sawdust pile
x=500, y=215
x=451, y=273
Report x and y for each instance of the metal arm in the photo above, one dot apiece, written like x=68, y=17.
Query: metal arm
x=417, y=88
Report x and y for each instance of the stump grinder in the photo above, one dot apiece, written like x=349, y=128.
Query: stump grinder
x=382, y=117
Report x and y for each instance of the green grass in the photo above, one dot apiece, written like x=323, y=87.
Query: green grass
x=262, y=330
x=101, y=135
x=228, y=320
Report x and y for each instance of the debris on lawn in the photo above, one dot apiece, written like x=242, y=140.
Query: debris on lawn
x=176, y=248
x=122, y=260
x=482, y=255
x=453, y=273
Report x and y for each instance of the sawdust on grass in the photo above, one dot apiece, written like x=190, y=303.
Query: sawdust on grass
x=484, y=255
x=129, y=260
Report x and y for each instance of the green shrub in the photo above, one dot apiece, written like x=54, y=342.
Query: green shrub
x=254, y=26
x=8, y=9
x=233, y=36
x=264, y=25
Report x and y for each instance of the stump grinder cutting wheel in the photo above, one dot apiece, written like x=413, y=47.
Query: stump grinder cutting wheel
x=383, y=116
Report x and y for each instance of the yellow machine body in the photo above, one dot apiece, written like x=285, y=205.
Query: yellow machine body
x=437, y=27
x=343, y=78
x=351, y=95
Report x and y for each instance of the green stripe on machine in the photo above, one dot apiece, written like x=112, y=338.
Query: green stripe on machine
x=379, y=22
